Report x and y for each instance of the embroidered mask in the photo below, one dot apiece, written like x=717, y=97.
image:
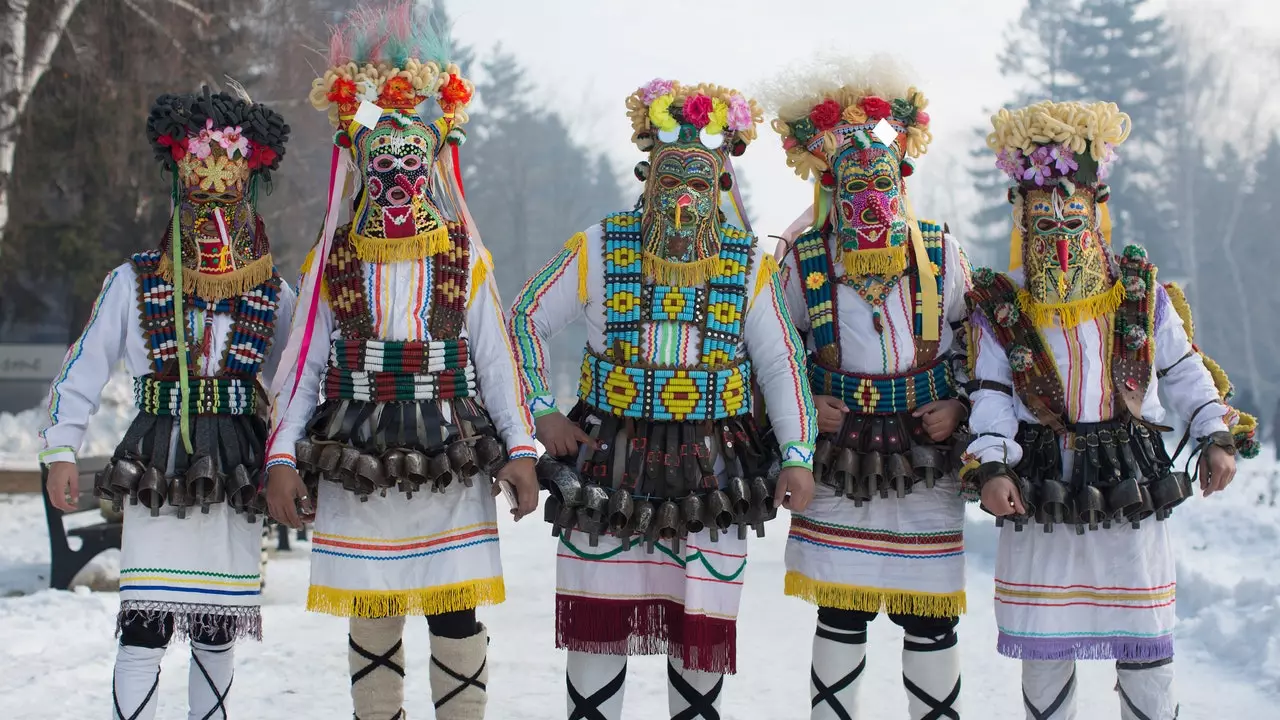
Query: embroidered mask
x=682, y=203
x=215, y=213
x=395, y=160
x=1063, y=256
x=868, y=197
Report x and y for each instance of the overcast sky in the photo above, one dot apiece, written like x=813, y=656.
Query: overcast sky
x=586, y=56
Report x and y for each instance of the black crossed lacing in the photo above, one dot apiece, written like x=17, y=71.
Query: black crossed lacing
x=376, y=661
x=1048, y=712
x=219, y=698
x=1124, y=697
x=827, y=693
x=588, y=708
x=467, y=682
x=700, y=705
x=115, y=699
x=938, y=709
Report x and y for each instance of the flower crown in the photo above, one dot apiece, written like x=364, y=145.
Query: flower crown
x=1050, y=142
x=394, y=57
x=851, y=116
x=191, y=125
x=666, y=111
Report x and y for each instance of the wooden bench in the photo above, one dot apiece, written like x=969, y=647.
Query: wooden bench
x=64, y=562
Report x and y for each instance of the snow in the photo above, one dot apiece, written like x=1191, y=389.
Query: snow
x=59, y=646
x=20, y=445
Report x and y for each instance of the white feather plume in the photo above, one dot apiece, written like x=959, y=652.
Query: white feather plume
x=793, y=93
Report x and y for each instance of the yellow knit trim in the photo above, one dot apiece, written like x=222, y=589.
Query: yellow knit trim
x=890, y=261
x=391, y=603
x=868, y=599
x=578, y=245
x=226, y=285
x=479, y=274
x=306, y=268
x=1246, y=423
x=382, y=250
x=680, y=274
x=1071, y=314
x=768, y=268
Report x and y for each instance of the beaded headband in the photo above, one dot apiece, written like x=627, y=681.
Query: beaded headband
x=664, y=111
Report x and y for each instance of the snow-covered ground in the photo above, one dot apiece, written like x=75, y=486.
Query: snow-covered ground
x=58, y=646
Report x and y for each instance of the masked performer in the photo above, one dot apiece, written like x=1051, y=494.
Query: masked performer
x=186, y=473
x=667, y=467
x=1069, y=349
x=401, y=331
x=879, y=295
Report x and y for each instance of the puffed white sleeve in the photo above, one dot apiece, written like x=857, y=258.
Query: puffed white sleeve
x=778, y=366
x=77, y=389
x=496, y=368
x=548, y=303
x=1188, y=385
x=993, y=418
x=293, y=406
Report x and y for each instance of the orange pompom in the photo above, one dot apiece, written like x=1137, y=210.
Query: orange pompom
x=455, y=92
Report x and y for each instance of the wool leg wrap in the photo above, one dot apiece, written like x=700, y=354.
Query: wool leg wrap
x=692, y=694
x=931, y=675
x=839, y=657
x=595, y=686
x=209, y=680
x=1049, y=689
x=136, y=683
x=1146, y=690
x=375, y=655
x=459, y=676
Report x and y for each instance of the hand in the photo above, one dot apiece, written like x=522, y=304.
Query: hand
x=795, y=488
x=941, y=418
x=63, y=480
x=560, y=437
x=831, y=412
x=1001, y=497
x=520, y=474
x=285, y=492
x=1217, y=470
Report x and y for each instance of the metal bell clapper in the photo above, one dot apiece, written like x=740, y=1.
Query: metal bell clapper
x=178, y=497
x=926, y=464
x=151, y=490
x=667, y=525
x=240, y=489
x=761, y=504
x=719, y=514
x=591, y=517
x=415, y=472
x=369, y=471
x=463, y=461
x=439, y=472
x=642, y=516
x=740, y=504
x=621, y=507
x=200, y=479
x=330, y=456
x=124, y=479
x=691, y=514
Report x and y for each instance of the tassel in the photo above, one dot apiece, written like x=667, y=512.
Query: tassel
x=890, y=261
x=680, y=274
x=424, y=601
x=180, y=325
x=225, y=285
x=1071, y=314
x=868, y=599
x=385, y=251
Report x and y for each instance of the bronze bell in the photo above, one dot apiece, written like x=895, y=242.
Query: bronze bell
x=102, y=483
x=927, y=462
x=691, y=514
x=901, y=476
x=591, y=516
x=124, y=479
x=667, y=523
x=843, y=472
x=369, y=470
x=490, y=454
x=330, y=457
x=393, y=465
x=151, y=490
x=1090, y=508
x=1053, y=507
x=642, y=516
x=1145, y=509
x=307, y=455
x=241, y=489
x=621, y=507
x=200, y=482
x=739, y=497
x=439, y=472
x=415, y=472
x=562, y=481
x=762, y=507
x=872, y=469
x=822, y=457
x=719, y=513
x=178, y=496
x=463, y=461
x=1123, y=498
x=1166, y=494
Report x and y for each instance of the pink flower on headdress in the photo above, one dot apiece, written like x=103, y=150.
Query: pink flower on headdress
x=1039, y=170
x=788, y=143
x=656, y=89
x=232, y=140
x=1010, y=161
x=922, y=118
x=1063, y=159
x=739, y=113
x=1108, y=157
x=199, y=145
x=697, y=110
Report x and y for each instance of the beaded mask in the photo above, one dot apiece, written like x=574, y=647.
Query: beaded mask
x=395, y=159
x=219, y=148
x=1063, y=255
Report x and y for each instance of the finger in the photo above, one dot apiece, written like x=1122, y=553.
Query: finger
x=496, y=490
x=780, y=495
x=582, y=437
x=1016, y=502
x=73, y=488
x=527, y=502
x=290, y=512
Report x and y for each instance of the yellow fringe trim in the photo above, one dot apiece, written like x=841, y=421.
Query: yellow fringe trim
x=768, y=268
x=889, y=261
x=479, y=274
x=680, y=274
x=868, y=599
x=1071, y=314
x=391, y=603
x=306, y=268
x=226, y=285
x=577, y=245
x=1246, y=422
x=384, y=251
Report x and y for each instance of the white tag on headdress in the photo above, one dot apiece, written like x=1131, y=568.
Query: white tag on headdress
x=884, y=132
x=669, y=136
x=368, y=114
x=709, y=141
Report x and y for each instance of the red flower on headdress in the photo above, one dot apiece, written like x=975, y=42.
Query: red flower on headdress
x=876, y=108
x=260, y=156
x=697, y=111
x=825, y=115
x=454, y=93
x=396, y=92
x=922, y=117
x=177, y=148
x=342, y=91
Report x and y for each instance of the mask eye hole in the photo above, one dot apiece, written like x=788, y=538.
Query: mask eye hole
x=869, y=216
x=884, y=184
x=699, y=185
x=200, y=196
x=1046, y=225
x=1073, y=224
x=667, y=181
x=411, y=162
x=384, y=163
x=856, y=186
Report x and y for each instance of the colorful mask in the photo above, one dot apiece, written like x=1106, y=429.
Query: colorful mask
x=1063, y=254
x=682, y=202
x=220, y=148
x=868, y=200
x=396, y=159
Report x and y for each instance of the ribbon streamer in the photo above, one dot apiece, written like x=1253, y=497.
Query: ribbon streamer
x=180, y=323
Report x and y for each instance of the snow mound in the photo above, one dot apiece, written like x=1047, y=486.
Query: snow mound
x=20, y=443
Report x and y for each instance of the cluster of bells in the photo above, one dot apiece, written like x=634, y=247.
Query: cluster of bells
x=203, y=485
x=861, y=476
x=596, y=510
x=1118, y=478
x=406, y=469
